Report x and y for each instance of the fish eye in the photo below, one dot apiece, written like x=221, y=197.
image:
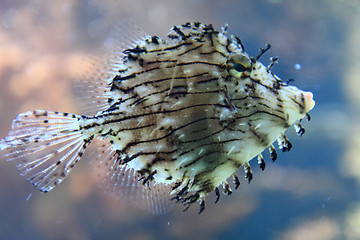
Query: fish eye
x=239, y=67
x=238, y=64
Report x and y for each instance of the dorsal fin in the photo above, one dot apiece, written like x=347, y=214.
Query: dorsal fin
x=123, y=182
x=96, y=74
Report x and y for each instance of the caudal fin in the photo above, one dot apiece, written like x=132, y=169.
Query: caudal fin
x=45, y=146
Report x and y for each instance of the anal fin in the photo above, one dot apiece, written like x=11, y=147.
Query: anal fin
x=124, y=183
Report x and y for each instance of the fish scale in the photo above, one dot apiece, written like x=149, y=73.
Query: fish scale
x=181, y=115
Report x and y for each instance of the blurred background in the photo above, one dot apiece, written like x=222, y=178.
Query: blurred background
x=312, y=192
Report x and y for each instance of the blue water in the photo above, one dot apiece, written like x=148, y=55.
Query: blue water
x=316, y=194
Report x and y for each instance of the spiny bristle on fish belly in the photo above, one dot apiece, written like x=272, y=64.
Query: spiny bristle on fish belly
x=176, y=119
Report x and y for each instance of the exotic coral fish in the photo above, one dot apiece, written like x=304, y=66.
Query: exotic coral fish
x=176, y=119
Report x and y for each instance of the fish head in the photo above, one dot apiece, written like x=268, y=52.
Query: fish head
x=264, y=95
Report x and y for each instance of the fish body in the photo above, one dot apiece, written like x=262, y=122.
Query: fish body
x=181, y=114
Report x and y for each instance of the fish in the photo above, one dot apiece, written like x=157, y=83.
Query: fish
x=173, y=121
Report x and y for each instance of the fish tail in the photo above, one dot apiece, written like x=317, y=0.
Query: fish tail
x=45, y=146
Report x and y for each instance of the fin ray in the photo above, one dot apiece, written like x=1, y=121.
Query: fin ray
x=92, y=87
x=122, y=182
x=45, y=146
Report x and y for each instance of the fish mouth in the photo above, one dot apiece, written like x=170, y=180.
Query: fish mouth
x=309, y=101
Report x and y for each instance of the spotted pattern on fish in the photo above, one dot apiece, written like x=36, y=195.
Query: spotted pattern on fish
x=186, y=112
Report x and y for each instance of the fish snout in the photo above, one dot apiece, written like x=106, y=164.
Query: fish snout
x=309, y=101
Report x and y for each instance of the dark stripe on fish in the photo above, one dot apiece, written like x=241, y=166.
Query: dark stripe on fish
x=198, y=62
x=190, y=49
x=211, y=143
x=170, y=133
